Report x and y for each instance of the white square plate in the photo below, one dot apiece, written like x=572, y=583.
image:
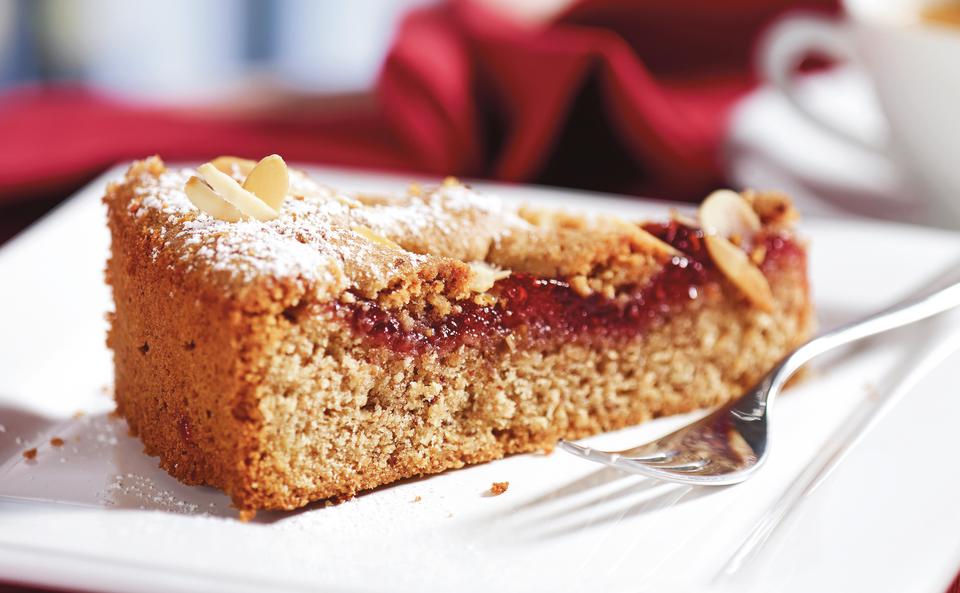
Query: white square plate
x=837, y=508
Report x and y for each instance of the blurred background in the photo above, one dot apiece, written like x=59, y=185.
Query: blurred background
x=650, y=98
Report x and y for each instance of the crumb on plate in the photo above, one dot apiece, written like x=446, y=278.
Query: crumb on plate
x=498, y=488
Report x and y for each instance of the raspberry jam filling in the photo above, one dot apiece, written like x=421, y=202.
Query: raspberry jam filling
x=537, y=309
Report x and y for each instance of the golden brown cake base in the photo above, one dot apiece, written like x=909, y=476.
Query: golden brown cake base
x=279, y=403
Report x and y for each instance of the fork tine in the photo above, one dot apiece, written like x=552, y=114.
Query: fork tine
x=658, y=457
x=686, y=467
x=589, y=453
x=659, y=470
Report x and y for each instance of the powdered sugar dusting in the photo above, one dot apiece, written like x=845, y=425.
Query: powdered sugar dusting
x=442, y=209
x=313, y=242
x=149, y=493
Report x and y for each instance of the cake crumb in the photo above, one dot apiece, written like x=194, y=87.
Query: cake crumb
x=247, y=515
x=56, y=442
x=79, y=414
x=498, y=488
x=30, y=453
x=416, y=498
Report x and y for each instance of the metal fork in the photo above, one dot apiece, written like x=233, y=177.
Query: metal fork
x=730, y=444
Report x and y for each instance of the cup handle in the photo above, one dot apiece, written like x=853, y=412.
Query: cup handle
x=787, y=43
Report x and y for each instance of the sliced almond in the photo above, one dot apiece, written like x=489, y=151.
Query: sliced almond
x=654, y=243
x=203, y=197
x=269, y=181
x=230, y=190
x=233, y=164
x=485, y=276
x=682, y=218
x=727, y=214
x=737, y=267
x=642, y=237
x=373, y=237
x=730, y=223
x=347, y=200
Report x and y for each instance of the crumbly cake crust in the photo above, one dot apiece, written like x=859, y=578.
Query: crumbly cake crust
x=235, y=367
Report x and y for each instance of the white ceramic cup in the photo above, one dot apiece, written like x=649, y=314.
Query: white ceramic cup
x=914, y=67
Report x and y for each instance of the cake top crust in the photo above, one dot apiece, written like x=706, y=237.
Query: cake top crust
x=324, y=245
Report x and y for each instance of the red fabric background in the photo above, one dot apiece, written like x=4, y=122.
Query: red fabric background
x=611, y=95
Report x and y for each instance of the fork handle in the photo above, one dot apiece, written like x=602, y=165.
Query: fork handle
x=904, y=313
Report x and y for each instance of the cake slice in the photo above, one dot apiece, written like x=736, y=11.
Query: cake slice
x=286, y=343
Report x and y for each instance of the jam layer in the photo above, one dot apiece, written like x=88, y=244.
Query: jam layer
x=538, y=309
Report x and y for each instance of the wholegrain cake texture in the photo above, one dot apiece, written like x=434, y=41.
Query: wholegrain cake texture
x=332, y=343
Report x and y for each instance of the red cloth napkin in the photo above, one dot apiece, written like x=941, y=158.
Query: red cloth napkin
x=622, y=95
